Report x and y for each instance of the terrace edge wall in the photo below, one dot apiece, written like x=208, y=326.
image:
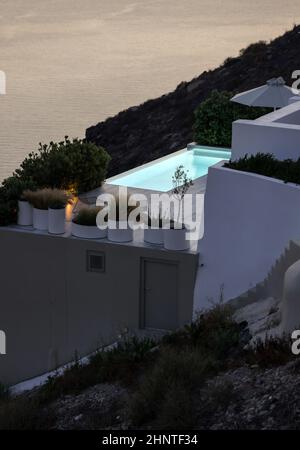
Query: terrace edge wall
x=249, y=219
x=277, y=132
x=254, y=136
x=51, y=307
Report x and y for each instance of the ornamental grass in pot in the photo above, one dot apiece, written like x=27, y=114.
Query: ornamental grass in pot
x=40, y=202
x=84, y=224
x=58, y=200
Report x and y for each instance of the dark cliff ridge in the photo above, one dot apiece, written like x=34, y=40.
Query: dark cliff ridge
x=163, y=125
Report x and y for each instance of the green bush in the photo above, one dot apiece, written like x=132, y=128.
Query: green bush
x=267, y=165
x=214, y=117
x=257, y=49
x=214, y=333
x=77, y=164
x=74, y=165
x=10, y=191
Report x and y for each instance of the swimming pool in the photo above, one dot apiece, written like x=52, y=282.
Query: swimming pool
x=157, y=175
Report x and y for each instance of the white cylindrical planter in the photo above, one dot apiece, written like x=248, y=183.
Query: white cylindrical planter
x=88, y=232
x=57, y=220
x=117, y=234
x=25, y=213
x=176, y=240
x=40, y=219
x=291, y=299
x=154, y=236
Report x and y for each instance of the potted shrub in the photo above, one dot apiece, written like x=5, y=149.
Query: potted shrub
x=25, y=211
x=58, y=201
x=119, y=230
x=40, y=201
x=84, y=224
x=154, y=233
x=175, y=237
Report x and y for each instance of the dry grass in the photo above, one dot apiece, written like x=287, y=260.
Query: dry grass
x=47, y=198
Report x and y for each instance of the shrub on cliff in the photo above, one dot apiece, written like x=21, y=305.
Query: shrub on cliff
x=214, y=117
x=77, y=165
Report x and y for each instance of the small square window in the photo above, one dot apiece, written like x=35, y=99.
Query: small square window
x=95, y=262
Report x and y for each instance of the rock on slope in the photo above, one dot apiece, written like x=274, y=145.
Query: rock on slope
x=164, y=125
x=245, y=398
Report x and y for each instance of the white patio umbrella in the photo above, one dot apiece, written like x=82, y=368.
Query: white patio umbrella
x=273, y=94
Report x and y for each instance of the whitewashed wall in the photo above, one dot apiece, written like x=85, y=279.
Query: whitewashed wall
x=248, y=221
x=251, y=137
x=277, y=133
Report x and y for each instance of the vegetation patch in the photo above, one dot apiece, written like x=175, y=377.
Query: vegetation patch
x=266, y=164
x=25, y=413
x=214, y=333
x=272, y=352
x=119, y=364
x=77, y=166
x=167, y=393
x=177, y=383
x=87, y=216
x=214, y=117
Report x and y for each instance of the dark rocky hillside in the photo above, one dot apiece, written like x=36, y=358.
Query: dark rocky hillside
x=164, y=125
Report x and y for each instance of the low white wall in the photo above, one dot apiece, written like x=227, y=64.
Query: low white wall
x=248, y=221
x=277, y=133
x=251, y=137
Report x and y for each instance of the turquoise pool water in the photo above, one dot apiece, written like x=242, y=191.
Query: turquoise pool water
x=158, y=174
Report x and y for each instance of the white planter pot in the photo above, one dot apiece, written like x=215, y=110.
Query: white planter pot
x=40, y=219
x=88, y=232
x=57, y=220
x=176, y=240
x=25, y=213
x=117, y=234
x=153, y=236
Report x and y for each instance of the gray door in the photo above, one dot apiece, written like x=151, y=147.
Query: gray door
x=159, y=295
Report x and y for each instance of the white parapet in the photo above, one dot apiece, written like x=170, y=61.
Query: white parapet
x=252, y=137
x=277, y=133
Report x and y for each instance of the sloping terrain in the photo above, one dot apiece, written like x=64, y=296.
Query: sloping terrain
x=161, y=126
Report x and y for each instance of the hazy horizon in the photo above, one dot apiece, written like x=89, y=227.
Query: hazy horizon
x=73, y=63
